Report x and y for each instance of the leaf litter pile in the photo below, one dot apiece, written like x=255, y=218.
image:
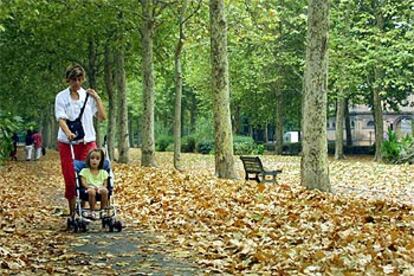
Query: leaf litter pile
x=365, y=227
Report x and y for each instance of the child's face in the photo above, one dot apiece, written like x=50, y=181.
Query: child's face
x=95, y=160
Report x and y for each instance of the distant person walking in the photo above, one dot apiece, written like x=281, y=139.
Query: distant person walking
x=69, y=104
x=29, y=145
x=37, y=141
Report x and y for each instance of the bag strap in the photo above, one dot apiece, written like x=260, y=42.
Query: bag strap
x=83, y=107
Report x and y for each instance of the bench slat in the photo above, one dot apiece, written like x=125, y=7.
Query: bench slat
x=253, y=165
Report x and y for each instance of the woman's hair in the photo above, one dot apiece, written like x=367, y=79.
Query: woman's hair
x=88, y=159
x=74, y=71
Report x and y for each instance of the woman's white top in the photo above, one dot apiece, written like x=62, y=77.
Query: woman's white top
x=67, y=108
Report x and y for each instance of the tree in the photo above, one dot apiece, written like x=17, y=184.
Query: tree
x=123, y=138
x=224, y=161
x=147, y=33
x=339, y=132
x=383, y=32
x=112, y=98
x=314, y=163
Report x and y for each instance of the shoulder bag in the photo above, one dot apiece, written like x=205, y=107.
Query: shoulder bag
x=75, y=126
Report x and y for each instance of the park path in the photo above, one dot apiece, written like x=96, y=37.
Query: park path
x=39, y=226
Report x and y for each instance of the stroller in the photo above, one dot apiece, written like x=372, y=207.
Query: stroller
x=83, y=216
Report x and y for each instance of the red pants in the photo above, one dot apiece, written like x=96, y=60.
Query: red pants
x=81, y=152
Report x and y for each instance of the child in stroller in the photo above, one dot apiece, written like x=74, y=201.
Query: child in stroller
x=94, y=183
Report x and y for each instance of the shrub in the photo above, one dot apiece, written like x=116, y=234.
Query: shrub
x=292, y=148
x=188, y=144
x=244, y=145
x=391, y=148
x=163, y=142
x=205, y=146
x=8, y=125
x=260, y=149
x=170, y=147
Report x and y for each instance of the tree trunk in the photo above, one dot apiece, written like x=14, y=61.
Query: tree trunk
x=53, y=128
x=236, y=124
x=339, y=132
x=348, y=130
x=179, y=88
x=314, y=163
x=279, y=122
x=224, y=160
x=130, y=130
x=148, y=140
x=378, y=117
x=193, y=114
x=112, y=106
x=379, y=123
x=123, y=138
x=92, y=72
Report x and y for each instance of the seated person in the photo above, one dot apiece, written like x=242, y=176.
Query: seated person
x=94, y=178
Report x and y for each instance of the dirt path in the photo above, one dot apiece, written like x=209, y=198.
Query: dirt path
x=33, y=238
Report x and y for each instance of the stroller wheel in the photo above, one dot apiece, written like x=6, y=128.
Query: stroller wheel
x=69, y=224
x=111, y=226
x=105, y=222
x=75, y=227
x=118, y=226
x=83, y=227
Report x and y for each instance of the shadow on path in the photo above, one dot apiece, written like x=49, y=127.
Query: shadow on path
x=128, y=253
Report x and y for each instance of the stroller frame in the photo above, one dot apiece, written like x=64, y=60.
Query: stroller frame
x=83, y=216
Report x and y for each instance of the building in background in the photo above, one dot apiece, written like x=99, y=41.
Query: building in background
x=363, y=126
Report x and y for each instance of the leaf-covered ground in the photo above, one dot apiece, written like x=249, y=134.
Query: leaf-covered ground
x=365, y=227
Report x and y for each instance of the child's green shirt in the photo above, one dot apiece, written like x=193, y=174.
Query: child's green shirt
x=94, y=180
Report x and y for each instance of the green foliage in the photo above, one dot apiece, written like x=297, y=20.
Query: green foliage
x=162, y=142
x=397, y=151
x=292, y=148
x=391, y=148
x=188, y=144
x=205, y=146
x=260, y=149
x=204, y=129
x=8, y=125
x=244, y=145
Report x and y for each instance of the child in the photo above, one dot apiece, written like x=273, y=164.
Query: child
x=94, y=178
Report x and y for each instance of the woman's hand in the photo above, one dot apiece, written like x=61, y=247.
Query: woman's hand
x=101, y=110
x=71, y=136
x=93, y=93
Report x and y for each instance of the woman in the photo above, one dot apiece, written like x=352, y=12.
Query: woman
x=68, y=105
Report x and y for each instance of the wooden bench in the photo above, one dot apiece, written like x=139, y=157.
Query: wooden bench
x=254, y=170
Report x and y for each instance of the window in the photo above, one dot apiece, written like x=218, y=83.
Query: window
x=370, y=124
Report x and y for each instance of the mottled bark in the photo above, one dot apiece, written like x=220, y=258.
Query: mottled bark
x=112, y=102
x=348, y=131
x=339, y=132
x=315, y=169
x=378, y=117
x=92, y=77
x=179, y=87
x=236, y=124
x=147, y=31
x=379, y=123
x=123, y=138
x=224, y=160
x=279, y=122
